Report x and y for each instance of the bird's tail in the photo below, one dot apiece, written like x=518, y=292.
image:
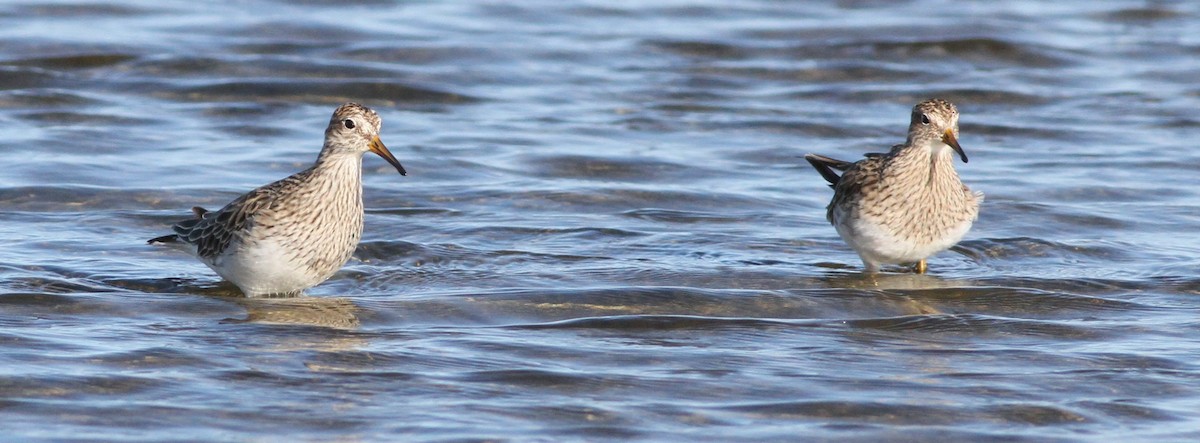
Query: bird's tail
x=826, y=165
x=181, y=227
x=166, y=239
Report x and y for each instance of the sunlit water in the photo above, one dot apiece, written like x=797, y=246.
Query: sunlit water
x=607, y=232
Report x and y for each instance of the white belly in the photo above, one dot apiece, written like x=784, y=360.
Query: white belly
x=265, y=269
x=878, y=245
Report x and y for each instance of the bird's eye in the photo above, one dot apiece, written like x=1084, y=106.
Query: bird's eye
x=924, y=119
x=349, y=124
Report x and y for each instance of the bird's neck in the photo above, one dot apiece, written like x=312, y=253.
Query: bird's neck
x=343, y=171
x=933, y=163
x=337, y=159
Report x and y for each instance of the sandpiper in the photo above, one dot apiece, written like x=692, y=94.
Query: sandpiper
x=293, y=234
x=908, y=204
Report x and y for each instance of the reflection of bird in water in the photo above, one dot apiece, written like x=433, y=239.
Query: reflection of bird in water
x=327, y=312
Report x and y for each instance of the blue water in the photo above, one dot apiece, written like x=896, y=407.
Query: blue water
x=607, y=232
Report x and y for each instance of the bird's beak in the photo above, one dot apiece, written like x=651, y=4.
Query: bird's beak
x=949, y=140
x=378, y=148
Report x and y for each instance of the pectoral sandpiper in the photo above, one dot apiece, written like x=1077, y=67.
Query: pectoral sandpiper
x=293, y=234
x=908, y=204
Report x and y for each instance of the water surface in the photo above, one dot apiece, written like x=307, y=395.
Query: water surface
x=607, y=232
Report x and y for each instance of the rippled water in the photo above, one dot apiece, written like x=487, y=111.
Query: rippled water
x=607, y=232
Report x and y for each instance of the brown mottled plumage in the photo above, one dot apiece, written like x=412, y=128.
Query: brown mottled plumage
x=295, y=233
x=905, y=205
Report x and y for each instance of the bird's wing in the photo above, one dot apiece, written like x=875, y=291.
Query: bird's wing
x=213, y=232
x=865, y=173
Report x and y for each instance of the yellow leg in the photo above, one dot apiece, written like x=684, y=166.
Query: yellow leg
x=921, y=267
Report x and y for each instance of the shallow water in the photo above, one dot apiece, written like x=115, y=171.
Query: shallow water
x=607, y=232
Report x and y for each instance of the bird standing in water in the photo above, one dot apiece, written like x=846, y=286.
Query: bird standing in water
x=293, y=234
x=908, y=204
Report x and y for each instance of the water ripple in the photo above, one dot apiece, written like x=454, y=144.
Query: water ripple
x=608, y=232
